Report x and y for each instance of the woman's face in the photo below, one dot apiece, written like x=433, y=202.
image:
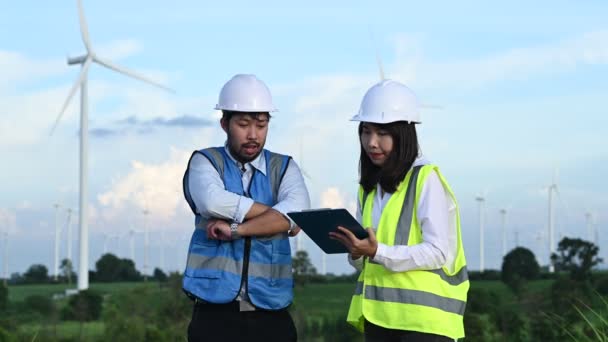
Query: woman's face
x=377, y=143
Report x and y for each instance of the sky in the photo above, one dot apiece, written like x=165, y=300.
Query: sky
x=516, y=94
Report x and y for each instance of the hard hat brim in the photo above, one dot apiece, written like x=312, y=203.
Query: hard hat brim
x=358, y=118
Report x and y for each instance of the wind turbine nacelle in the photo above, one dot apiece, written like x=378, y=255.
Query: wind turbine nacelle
x=77, y=60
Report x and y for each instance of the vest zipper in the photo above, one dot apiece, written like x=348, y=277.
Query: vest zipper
x=247, y=250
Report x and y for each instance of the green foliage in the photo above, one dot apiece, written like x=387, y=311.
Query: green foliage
x=3, y=297
x=5, y=336
x=67, y=269
x=601, y=285
x=84, y=306
x=41, y=304
x=110, y=268
x=159, y=275
x=577, y=257
x=302, y=268
x=480, y=327
x=518, y=267
x=123, y=328
x=36, y=274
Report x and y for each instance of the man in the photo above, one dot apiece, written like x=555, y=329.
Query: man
x=239, y=258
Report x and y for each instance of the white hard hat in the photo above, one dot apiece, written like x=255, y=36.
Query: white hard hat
x=389, y=101
x=245, y=93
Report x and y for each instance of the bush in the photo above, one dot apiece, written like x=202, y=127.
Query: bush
x=40, y=304
x=601, y=285
x=480, y=327
x=5, y=336
x=84, y=306
x=3, y=297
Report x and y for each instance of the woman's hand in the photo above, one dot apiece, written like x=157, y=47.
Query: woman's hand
x=355, y=246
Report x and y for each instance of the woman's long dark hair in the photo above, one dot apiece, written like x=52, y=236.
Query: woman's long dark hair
x=399, y=161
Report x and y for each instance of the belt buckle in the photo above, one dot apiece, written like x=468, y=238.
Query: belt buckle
x=245, y=306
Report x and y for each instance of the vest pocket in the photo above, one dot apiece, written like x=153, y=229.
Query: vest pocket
x=203, y=263
x=281, y=262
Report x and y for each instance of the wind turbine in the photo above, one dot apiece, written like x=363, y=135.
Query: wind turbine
x=381, y=69
x=162, y=250
x=5, y=235
x=551, y=188
x=503, y=213
x=132, y=245
x=85, y=62
x=69, y=236
x=146, y=244
x=481, y=200
x=590, y=233
x=57, y=237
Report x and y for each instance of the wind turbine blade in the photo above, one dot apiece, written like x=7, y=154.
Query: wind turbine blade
x=81, y=77
x=84, y=29
x=555, y=175
x=130, y=73
x=378, y=59
x=305, y=174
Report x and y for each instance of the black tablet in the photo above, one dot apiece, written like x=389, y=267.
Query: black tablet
x=317, y=223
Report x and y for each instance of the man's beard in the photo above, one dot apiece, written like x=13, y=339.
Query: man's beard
x=243, y=158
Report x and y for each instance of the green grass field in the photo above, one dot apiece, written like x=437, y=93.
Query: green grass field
x=312, y=303
x=18, y=293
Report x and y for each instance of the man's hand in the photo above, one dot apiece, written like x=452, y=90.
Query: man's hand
x=355, y=246
x=294, y=231
x=218, y=229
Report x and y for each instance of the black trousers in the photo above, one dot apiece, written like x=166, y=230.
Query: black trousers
x=224, y=322
x=374, y=333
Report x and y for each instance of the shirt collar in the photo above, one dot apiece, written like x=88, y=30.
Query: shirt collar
x=258, y=163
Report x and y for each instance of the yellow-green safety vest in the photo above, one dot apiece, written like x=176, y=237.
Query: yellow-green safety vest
x=430, y=301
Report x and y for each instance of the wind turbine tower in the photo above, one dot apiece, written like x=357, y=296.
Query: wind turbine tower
x=5, y=249
x=552, y=188
x=590, y=233
x=57, y=237
x=132, y=245
x=481, y=199
x=146, y=243
x=69, y=235
x=503, y=213
x=85, y=61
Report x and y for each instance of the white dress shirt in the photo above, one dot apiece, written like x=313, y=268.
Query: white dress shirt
x=436, y=213
x=213, y=200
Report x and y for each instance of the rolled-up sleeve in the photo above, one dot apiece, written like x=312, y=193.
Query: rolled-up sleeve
x=293, y=195
x=209, y=195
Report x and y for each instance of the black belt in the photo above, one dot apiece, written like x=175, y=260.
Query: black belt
x=234, y=306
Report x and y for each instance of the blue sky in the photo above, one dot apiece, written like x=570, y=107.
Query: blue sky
x=522, y=88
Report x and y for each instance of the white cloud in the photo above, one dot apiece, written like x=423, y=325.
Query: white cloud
x=333, y=198
x=155, y=187
x=516, y=64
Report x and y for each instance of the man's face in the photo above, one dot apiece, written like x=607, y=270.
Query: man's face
x=246, y=135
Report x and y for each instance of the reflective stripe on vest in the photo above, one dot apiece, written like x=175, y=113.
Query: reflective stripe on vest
x=215, y=268
x=430, y=301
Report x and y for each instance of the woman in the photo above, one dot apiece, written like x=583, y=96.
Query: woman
x=413, y=283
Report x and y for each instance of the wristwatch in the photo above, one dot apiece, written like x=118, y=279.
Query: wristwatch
x=234, y=234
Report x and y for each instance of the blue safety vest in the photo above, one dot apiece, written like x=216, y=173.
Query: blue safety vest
x=215, y=269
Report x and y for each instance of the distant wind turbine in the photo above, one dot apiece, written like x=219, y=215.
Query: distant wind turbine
x=551, y=188
x=69, y=235
x=146, y=244
x=85, y=61
x=381, y=73
x=5, y=249
x=481, y=199
x=503, y=213
x=590, y=233
x=57, y=240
